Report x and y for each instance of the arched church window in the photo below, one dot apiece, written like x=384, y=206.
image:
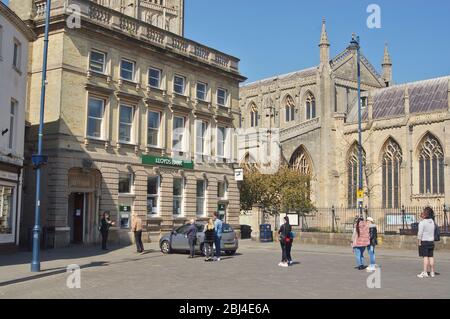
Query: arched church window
x=254, y=116
x=392, y=160
x=431, y=166
x=290, y=109
x=353, y=177
x=310, y=107
x=301, y=162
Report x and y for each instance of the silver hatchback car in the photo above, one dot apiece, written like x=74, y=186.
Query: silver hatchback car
x=176, y=241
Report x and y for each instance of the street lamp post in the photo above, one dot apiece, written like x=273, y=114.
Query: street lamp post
x=355, y=43
x=39, y=159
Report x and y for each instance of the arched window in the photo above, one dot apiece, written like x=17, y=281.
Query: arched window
x=392, y=160
x=300, y=162
x=310, y=107
x=353, y=177
x=431, y=166
x=290, y=109
x=249, y=164
x=254, y=116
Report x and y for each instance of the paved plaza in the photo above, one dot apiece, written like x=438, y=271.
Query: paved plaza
x=319, y=272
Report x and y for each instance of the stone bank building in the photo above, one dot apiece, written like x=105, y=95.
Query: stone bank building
x=406, y=131
x=138, y=119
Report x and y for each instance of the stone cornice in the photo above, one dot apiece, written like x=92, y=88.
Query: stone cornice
x=17, y=22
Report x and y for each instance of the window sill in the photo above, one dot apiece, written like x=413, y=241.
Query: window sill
x=426, y=196
x=127, y=195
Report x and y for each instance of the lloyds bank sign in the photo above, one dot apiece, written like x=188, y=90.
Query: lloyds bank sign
x=166, y=161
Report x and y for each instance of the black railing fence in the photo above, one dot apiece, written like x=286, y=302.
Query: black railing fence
x=402, y=220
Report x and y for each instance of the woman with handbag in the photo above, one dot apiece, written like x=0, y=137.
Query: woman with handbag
x=360, y=240
x=210, y=236
x=285, y=242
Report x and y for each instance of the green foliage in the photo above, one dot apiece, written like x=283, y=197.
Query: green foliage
x=286, y=191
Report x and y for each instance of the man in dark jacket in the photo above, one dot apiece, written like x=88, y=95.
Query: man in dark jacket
x=192, y=237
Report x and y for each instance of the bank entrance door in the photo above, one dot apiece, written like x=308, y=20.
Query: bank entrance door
x=78, y=217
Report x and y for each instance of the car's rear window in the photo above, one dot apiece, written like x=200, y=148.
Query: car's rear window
x=226, y=228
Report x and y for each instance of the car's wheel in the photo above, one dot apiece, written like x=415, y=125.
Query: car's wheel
x=230, y=252
x=165, y=247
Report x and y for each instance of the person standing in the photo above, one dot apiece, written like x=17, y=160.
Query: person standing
x=105, y=224
x=360, y=240
x=218, y=225
x=286, y=243
x=208, y=242
x=426, y=240
x=373, y=237
x=136, y=228
x=191, y=235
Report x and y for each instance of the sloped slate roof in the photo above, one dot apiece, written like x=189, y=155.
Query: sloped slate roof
x=284, y=77
x=428, y=96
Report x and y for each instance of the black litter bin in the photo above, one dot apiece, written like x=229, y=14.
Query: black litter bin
x=265, y=233
x=246, y=232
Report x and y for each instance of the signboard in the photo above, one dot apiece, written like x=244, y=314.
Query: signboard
x=239, y=175
x=293, y=219
x=166, y=161
x=125, y=209
x=397, y=219
x=360, y=194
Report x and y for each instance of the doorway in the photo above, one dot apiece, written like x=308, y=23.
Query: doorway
x=78, y=217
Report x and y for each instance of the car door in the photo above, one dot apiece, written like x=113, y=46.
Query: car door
x=179, y=240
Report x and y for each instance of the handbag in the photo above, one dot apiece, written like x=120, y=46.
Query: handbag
x=437, y=232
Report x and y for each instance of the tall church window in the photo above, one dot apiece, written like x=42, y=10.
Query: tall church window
x=290, y=109
x=353, y=177
x=431, y=166
x=254, y=116
x=392, y=160
x=310, y=107
x=300, y=162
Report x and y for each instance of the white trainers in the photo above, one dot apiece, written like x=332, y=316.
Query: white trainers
x=432, y=274
x=284, y=265
x=423, y=275
x=290, y=262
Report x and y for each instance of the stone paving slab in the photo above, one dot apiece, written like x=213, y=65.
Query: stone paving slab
x=320, y=272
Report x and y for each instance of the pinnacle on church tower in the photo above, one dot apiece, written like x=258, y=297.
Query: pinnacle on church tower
x=324, y=44
x=387, y=66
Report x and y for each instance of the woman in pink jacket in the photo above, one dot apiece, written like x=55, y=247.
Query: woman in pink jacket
x=360, y=240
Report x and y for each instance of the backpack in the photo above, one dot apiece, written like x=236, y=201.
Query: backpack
x=437, y=232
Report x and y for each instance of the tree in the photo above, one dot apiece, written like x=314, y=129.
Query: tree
x=285, y=191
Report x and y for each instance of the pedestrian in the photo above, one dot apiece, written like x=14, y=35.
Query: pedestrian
x=105, y=224
x=192, y=237
x=373, y=237
x=286, y=243
x=208, y=242
x=218, y=225
x=426, y=238
x=136, y=228
x=360, y=240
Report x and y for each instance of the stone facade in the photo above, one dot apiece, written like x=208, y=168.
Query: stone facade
x=87, y=161
x=314, y=113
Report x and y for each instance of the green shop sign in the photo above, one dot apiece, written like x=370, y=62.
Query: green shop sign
x=166, y=161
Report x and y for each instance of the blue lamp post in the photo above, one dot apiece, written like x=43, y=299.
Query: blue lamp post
x=39, y=159
x=355, y=43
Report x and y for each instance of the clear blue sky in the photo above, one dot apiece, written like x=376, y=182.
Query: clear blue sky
x=275, y=37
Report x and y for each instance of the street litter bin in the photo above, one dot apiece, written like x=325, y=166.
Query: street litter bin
x=265, y=233
x=246, y=232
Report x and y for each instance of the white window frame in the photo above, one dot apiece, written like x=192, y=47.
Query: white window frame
x=10, y=238
x=175, y=84
x=205, y=147
x=104, y=61
x=226, y=143
x=150, y=77
x=204, y=197
x=205, y=92
x=132, y=178
x=179, y=197
x=133, y=71
x=158, y=137
x=225, y=97
x=157, y=196
x=14, y=106
x=180, y=147
x=132, y=133
x=102, y=125
x=17, y=56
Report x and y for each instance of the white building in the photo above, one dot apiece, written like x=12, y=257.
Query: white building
x=14, y=39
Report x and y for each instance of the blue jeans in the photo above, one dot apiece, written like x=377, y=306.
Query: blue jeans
x=371, y=250
x=217, y=243
x=359, y=255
